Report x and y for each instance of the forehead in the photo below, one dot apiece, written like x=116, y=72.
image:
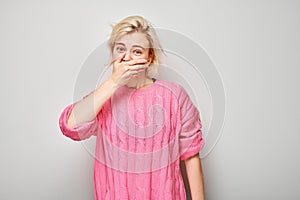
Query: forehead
x=132, y=39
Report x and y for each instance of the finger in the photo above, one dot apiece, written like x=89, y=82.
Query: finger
x=125, y=67
x=138, y=61
x=137, y=67
x=129, y=74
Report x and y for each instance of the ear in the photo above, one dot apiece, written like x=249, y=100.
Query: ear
x=149, y=61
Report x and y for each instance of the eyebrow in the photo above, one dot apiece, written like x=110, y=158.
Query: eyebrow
x=119, y=43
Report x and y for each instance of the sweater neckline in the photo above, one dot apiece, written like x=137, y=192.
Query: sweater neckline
x=148, y=88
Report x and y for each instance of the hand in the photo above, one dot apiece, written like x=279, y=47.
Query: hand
x=125, y=70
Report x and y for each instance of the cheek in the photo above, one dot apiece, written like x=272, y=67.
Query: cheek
x=140, y=56
x=116, y=55
x=137, y=57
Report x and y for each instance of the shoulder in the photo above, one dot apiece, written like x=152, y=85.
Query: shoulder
x=176, y=88
x=179, y=92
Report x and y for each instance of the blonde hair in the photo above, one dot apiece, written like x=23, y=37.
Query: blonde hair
x=139, y=24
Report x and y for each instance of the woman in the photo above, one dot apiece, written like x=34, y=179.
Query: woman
x=144, y=127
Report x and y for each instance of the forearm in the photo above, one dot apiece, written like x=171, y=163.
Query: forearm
x=195, y=177
x=87, y=108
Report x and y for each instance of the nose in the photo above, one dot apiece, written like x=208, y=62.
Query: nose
x=127, y=56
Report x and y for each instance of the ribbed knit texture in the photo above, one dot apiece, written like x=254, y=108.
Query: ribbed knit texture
x=142, y=134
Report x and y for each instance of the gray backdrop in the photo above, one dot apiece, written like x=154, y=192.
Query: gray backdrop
x=254, y=46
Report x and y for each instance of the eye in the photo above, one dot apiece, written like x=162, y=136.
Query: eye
x=138, y=52
x=120, y=49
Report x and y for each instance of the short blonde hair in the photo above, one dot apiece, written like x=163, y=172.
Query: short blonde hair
x=139, y=24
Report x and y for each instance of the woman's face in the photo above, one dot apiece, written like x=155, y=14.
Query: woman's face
x=131, y=46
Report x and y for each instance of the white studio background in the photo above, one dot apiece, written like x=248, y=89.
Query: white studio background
x=254, y=45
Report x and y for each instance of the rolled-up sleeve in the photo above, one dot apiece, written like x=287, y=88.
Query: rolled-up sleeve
x=79, y=132
x=190, y=137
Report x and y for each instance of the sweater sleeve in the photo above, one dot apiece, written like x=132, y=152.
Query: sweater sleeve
x=82, y=131
x=190, y=137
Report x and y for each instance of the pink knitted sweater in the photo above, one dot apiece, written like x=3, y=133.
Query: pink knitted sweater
x=142, y=134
